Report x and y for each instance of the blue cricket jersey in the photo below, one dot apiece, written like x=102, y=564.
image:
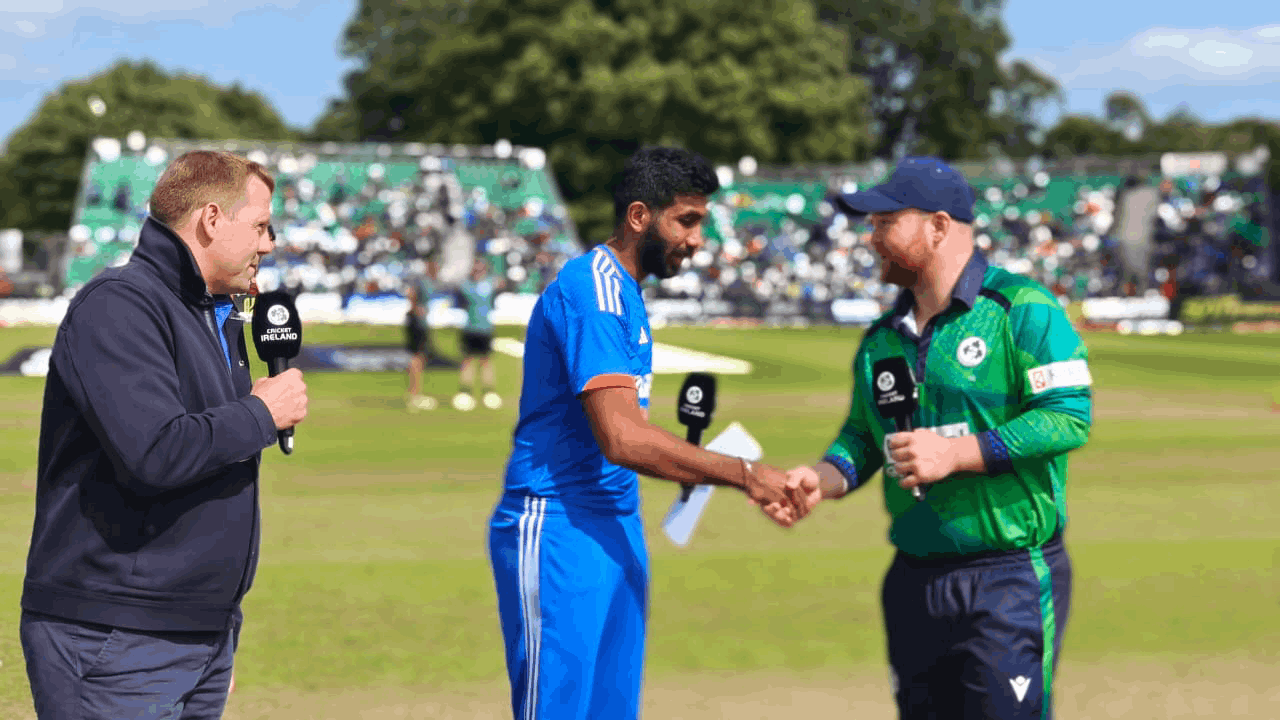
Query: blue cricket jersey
x=588, y=324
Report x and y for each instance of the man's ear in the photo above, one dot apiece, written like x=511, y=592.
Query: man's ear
x=207, y=220
x=939, y=226
x=638, y=217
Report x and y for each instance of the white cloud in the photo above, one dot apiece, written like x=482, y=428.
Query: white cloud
x=208, y=12
x=126, y=8
x=1158, y=56
x=1221, y=54
x=1271, y=32
x=1173, y=41
x=47, y=7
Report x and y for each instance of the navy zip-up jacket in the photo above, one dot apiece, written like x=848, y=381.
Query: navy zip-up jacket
x=147, y=489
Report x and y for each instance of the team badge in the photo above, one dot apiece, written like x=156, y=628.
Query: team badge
x=972, y=351
x=885, y=381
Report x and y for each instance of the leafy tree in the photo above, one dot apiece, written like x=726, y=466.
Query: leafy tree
x=1126, y=114
x=1180, y=131
x=41, y=171
x=592, y=80
x=1082, y=135
x=1018, y=105
x=937, y=85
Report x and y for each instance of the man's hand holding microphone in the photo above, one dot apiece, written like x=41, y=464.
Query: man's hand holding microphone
x=277, y=334
x=285, y=396
x=915, y=458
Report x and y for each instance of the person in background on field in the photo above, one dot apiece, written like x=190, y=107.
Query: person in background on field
x=420, y=288
x=977, y=598
x=146, y=529
x=476, y=295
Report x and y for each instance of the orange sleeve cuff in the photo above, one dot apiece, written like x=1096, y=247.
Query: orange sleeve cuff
x=608, y=381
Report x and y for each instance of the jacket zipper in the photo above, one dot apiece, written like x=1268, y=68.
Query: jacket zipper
x=212, y=319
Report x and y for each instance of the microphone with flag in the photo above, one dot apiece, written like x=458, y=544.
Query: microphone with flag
x=277, y=334
x=897, y=397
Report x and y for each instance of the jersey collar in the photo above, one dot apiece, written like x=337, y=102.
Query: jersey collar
x=965, y=291
x=614, y=258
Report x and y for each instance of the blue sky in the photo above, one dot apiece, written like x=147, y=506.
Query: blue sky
x=1221, y=58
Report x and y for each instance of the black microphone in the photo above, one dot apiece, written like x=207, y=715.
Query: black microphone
x=696, y=403
x=277, y=333
x=897, y=397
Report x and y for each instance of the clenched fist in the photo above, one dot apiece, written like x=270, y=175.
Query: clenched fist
x=285, y=396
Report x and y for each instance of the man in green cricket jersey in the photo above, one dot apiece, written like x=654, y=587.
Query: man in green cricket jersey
x=977, y=597
x=476, y=295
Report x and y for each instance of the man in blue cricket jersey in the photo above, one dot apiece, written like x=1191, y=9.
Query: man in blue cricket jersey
x=566, y=541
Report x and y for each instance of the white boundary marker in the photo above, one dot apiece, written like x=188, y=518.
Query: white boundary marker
x=667, y=359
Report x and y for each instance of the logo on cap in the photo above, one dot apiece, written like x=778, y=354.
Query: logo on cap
x=885, y=382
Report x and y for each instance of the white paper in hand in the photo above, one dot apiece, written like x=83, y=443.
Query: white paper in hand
x=683, y=517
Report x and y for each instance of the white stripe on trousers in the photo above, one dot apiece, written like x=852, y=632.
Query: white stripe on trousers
x=530, y=596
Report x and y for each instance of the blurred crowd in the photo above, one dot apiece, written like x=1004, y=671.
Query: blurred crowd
x=357, y=237
x=815, y=262
x=525, y=244
x=1061, y=231
x=1209, y=237
x=354, y=225
x=370, y=236
x=367, y=224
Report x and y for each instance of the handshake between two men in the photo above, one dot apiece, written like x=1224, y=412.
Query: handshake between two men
x=917, y=458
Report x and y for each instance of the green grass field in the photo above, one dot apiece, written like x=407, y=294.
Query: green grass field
x=374, y=596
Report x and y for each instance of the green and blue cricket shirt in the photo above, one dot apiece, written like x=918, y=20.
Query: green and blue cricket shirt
x=1002, y=362
x=477, y=297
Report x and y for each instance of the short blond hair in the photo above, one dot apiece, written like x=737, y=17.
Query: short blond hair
x=199, y=177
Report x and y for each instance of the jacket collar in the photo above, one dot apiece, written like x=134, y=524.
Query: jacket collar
x=160, y=248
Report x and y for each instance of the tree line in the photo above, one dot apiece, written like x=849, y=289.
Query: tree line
x=785, y=81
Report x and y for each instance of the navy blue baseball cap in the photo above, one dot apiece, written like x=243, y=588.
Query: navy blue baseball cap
x=924, y=183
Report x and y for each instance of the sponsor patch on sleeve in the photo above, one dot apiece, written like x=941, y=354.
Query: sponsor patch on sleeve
x=1065, y=374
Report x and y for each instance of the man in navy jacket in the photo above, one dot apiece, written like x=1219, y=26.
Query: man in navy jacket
x=146, y=526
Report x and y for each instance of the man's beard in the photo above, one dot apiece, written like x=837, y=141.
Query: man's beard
x=894, y=274
x=653, y=256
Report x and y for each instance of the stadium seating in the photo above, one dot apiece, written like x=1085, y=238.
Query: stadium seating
x=356, y=219
x=352, y=219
